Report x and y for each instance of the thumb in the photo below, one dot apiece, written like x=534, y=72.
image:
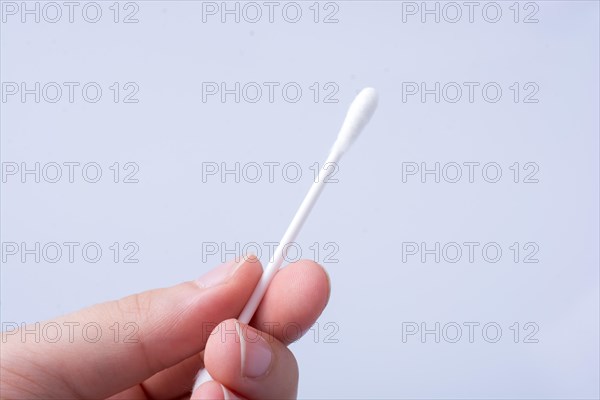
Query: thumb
x=107, y=348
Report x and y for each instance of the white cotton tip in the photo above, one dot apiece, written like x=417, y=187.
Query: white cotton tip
x=360, y=112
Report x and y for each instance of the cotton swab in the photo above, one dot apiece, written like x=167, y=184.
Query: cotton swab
x=359, y=114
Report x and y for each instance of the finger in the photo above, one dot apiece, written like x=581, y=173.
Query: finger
x=169, y=383
x=251, y=362
x=295, y=299
x=175, y=381
x=172, y=325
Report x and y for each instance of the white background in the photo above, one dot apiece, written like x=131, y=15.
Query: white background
x=172, y=212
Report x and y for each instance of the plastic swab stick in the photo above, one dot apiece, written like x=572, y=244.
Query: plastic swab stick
x=359, y=114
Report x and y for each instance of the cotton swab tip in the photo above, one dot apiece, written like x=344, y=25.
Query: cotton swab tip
x=360, y=112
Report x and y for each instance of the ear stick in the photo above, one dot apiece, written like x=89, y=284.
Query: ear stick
x=359, y=114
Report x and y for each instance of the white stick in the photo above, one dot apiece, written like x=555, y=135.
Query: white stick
x=359, y=113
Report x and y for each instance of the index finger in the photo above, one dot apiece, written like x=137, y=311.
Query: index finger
x=295, y=299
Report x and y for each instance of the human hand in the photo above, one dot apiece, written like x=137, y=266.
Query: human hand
x=174, y=339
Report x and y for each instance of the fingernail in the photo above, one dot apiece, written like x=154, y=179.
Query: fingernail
x=255, y=353
x=220, y=274
x=328, y=285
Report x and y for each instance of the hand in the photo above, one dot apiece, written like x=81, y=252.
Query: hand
x=178, y=330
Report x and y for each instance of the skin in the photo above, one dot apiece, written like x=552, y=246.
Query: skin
x=174, y=340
